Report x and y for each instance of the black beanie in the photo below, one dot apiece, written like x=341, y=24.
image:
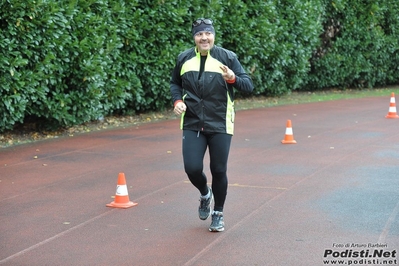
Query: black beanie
x=203, y=27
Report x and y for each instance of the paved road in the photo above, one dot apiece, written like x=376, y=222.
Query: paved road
x=333, y=195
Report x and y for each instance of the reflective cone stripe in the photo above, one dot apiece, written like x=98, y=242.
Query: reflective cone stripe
x=289, y=136
x=289, y=131
x=392, y=108
x=121, y=194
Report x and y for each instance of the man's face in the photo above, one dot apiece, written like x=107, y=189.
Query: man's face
x=204, y=41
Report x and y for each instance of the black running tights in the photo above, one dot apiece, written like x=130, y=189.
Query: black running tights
x=195, y=145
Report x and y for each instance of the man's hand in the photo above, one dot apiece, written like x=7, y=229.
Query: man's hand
x=180, y=107
x=227, y=74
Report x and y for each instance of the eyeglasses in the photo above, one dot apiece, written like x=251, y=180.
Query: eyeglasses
x=198, y=22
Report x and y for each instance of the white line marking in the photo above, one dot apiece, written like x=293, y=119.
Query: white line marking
x=53, y=237
x=388, y=225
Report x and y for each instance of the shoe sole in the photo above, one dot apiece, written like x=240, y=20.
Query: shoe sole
x=216, y=229
x=204, y=218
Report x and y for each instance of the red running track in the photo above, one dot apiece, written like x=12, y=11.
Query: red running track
x=288, y=204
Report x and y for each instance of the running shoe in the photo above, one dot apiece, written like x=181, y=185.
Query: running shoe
x=204, y=209
x=217, y=224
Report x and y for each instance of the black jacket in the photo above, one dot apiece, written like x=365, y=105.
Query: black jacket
x=210, y=99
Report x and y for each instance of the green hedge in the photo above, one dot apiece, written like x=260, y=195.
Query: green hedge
x=360, y=45
x=69, y=62
x=64, y=62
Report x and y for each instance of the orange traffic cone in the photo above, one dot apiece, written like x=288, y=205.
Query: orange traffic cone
x=121, y=195
x=392, y=108
x=289, y=137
